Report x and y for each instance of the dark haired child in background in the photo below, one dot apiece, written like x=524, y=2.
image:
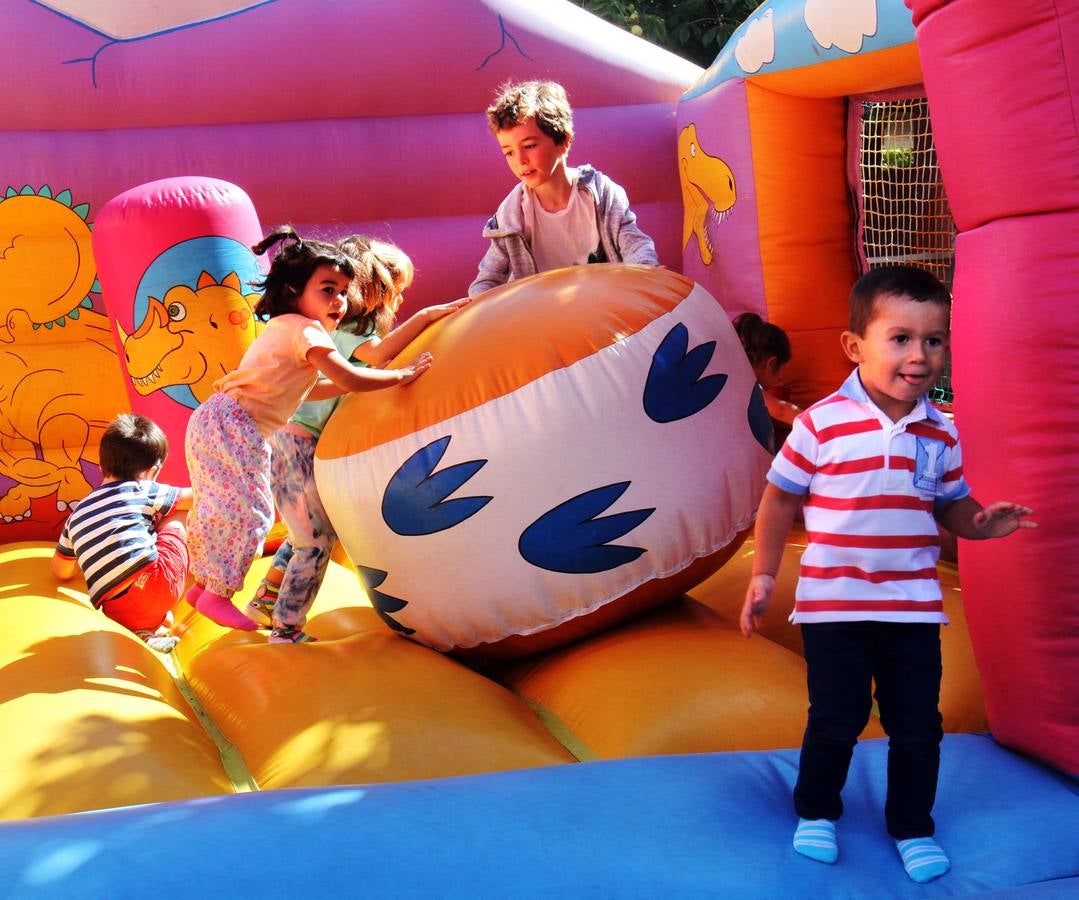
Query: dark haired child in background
x=769, y=350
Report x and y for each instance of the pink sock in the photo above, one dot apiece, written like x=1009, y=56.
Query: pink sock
x=193, y=594
x=220, y=610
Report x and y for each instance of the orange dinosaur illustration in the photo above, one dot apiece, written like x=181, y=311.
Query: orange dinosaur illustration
x=707, y=185
x=51, y=414
x=192, y=337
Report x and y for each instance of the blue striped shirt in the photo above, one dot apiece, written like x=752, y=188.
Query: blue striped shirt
x=111, y=532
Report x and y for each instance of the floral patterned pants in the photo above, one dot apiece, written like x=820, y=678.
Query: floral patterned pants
x=229, y=463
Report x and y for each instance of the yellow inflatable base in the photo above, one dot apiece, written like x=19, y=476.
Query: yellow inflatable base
x=92, y=718
x=961, y=702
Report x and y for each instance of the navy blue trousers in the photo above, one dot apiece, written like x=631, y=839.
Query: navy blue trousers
x=843, y=660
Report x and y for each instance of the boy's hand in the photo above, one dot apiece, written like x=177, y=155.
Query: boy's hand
x=1002, y=518
x=758, y=596
x=416, y=368
x=435, y=313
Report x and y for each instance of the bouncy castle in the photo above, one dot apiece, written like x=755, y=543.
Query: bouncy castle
x=529, y=677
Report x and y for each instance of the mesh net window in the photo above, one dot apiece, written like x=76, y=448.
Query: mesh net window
x=904, y=213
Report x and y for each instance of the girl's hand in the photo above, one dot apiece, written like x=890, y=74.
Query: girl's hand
x=1002, y=518
x=758, y=596
x=416, y=368
x=435, y=313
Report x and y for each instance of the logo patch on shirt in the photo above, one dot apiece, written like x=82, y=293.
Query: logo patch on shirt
x=928, y=464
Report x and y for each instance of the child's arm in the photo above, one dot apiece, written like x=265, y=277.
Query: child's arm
x=343, y=377
x=494, y=270
x=63, y=567
x=380, y=353
x=774, y=520
x=780, y=410
x=967, y=518
x=634, y=246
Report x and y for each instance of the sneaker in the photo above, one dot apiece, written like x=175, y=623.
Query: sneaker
x=260, y=609
x=288, y=635
x=162, y=643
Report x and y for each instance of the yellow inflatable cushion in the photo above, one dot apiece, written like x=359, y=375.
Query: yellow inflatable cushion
x=676, y=681
x=90, y=716
x=363, y=704
x=961, y=702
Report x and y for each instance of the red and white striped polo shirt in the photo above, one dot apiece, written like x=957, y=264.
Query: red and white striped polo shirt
x=870, y=488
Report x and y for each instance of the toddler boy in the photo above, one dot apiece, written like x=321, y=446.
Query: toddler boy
x=556, y=216
x=127, y=535
x=876, y=467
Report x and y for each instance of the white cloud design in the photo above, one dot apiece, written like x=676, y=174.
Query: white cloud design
x=843, y=23
x=758, y=45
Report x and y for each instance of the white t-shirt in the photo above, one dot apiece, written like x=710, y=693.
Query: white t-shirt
x=564, y=238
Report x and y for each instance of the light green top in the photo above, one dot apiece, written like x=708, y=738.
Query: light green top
x=313, y=414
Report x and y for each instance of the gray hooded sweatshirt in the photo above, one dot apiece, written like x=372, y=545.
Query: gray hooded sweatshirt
x=510, y=256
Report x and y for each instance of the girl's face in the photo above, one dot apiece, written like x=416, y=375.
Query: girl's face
x=325, y=296
x=383, y=299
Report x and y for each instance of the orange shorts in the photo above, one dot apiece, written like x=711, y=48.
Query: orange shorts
x=156, y=587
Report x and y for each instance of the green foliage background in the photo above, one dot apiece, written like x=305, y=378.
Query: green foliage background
x=694, y=29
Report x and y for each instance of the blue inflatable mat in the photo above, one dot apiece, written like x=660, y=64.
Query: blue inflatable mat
x=709, y=825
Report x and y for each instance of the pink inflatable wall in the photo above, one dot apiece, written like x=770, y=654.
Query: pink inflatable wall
x=339, y=117
x=1013, y=185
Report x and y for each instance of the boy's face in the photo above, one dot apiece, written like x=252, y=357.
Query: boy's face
x=532, y=156
x=902, y=353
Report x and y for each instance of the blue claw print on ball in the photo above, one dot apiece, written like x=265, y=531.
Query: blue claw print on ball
x=384, y=603
x=760, y=423
x=415, y=500
x=569, y=538
x=674, y=388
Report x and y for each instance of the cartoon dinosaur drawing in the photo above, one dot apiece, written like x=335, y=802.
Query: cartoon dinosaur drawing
x=192, y=337
x=707, y=184
x=52, y=415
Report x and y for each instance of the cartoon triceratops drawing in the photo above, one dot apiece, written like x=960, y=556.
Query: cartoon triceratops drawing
x=707, y=184
x=192, y=336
